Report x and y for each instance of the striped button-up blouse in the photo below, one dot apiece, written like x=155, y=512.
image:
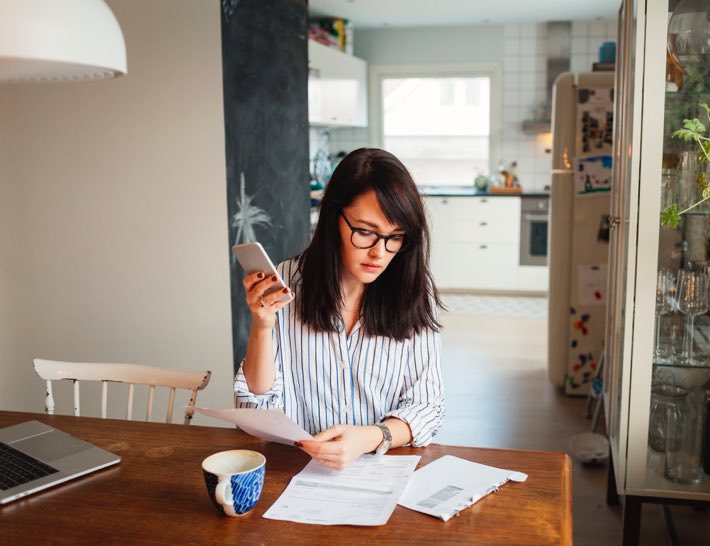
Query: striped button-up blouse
x=329, y=378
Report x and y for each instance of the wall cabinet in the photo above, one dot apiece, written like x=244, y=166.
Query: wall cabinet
x=475, y=242
x=337, y=87
x=651, y=270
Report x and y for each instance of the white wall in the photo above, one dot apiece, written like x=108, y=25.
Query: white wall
x=113, y=217
x=422, y=45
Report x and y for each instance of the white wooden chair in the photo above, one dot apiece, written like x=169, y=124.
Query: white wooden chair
x=133, y=374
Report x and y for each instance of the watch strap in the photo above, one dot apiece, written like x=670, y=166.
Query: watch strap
x=386, y=441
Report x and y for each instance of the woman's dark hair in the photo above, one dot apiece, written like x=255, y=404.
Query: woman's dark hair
x=401, y=301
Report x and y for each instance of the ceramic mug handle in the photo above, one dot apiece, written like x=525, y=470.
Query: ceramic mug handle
x=223, y=492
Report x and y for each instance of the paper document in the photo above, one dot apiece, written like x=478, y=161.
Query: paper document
x=449, y=484
x=271, y=425
x=365, y=493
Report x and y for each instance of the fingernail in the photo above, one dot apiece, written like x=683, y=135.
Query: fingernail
x=260, y=276
x=273, y=278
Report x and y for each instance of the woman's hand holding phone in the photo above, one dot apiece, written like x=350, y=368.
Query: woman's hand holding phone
x=265, y=295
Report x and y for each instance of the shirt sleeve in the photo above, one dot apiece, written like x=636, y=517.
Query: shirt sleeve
x=271, y=399
x=274, y=397
x=421, y=401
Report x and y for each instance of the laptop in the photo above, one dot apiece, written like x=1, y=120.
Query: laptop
x=35, y=456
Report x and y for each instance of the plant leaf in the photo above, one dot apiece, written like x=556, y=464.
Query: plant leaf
x=685, y=134
x=670, y=217
x=706, y=108
x=694, y=125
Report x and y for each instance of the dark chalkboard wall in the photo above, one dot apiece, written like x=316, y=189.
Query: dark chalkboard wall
x=265, y=72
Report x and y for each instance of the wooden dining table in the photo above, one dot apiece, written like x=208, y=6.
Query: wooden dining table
x=156, y=495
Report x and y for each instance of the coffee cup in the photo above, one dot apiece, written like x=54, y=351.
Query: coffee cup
x=234, y=480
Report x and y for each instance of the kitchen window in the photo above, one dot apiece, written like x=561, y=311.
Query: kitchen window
x=440, y=121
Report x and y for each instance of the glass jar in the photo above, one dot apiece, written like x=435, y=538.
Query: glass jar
x=684, y=442
x=686, y=183
x=666, y=406
x=669, y=187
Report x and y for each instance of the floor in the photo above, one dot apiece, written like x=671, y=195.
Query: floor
x=498, y=395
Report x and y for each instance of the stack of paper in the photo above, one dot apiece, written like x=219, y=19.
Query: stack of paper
x=448, y=485
x=365, y=493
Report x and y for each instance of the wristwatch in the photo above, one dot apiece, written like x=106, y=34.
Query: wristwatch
x=386, y=441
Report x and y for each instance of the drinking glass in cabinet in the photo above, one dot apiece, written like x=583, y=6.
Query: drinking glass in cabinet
x=692, y=301
x=666, y=407
x=665, y=303
x=683, y=442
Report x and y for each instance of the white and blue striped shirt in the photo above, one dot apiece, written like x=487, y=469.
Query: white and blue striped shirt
x=329, y=378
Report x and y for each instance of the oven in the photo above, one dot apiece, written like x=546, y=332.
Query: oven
x=533, y=230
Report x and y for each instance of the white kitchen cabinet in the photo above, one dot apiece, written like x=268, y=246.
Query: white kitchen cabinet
x=533, y=278
x=337, y=87
x=647, y=110
x=475, y=242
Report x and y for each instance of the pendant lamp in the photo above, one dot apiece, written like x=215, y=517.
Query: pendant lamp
x=59, y=40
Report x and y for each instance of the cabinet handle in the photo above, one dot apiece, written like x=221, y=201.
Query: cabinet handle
x=484, y=200
x=483, y=223
x=444, y=201
x=483, y=247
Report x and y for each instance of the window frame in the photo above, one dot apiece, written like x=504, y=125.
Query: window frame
x=379, y=72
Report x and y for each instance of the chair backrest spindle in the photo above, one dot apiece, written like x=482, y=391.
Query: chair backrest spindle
x=104, y=399
x=129, y=404
x=151, y=394
x=171, y=404
x=77, y=408
x=49, y=399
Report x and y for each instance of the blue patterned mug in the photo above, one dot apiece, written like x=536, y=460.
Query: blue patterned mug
x=234, y=480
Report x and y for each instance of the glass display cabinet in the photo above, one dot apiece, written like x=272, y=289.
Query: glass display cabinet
x=657, y=348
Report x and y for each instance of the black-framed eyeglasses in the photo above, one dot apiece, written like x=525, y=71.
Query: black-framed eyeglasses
x=366, y=238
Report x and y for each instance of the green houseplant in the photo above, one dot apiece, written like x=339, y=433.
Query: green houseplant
x=693, y=131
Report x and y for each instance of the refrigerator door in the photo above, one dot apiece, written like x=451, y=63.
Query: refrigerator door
x=560, y=263
x=578, y=245
x=588, y=288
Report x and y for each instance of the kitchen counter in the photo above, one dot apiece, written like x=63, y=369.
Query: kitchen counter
x=467, y=191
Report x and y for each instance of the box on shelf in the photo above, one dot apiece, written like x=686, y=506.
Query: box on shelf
x=333, y=32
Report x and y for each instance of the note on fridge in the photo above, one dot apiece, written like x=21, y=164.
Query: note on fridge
x=449, y=484
x=269, y=424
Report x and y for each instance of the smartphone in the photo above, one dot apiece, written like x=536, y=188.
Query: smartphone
x=253, y=258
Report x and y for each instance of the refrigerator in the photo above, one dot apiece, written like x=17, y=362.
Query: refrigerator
x=579, y=227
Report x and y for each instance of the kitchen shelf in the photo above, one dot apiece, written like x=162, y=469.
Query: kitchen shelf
x=704, y=366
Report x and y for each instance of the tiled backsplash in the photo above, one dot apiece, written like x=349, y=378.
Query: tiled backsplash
x=524, y=90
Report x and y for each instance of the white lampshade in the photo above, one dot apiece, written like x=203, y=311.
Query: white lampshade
x=52, y=40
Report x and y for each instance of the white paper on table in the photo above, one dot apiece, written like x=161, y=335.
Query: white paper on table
x=270, y=424
x=365, y=493
x=449, y=484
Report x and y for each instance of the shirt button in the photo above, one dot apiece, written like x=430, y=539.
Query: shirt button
x=342, y=364
x=346, y=408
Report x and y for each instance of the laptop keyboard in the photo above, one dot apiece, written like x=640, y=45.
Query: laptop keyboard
x=17, y=468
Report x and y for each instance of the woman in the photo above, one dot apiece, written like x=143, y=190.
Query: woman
x=355, y=358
